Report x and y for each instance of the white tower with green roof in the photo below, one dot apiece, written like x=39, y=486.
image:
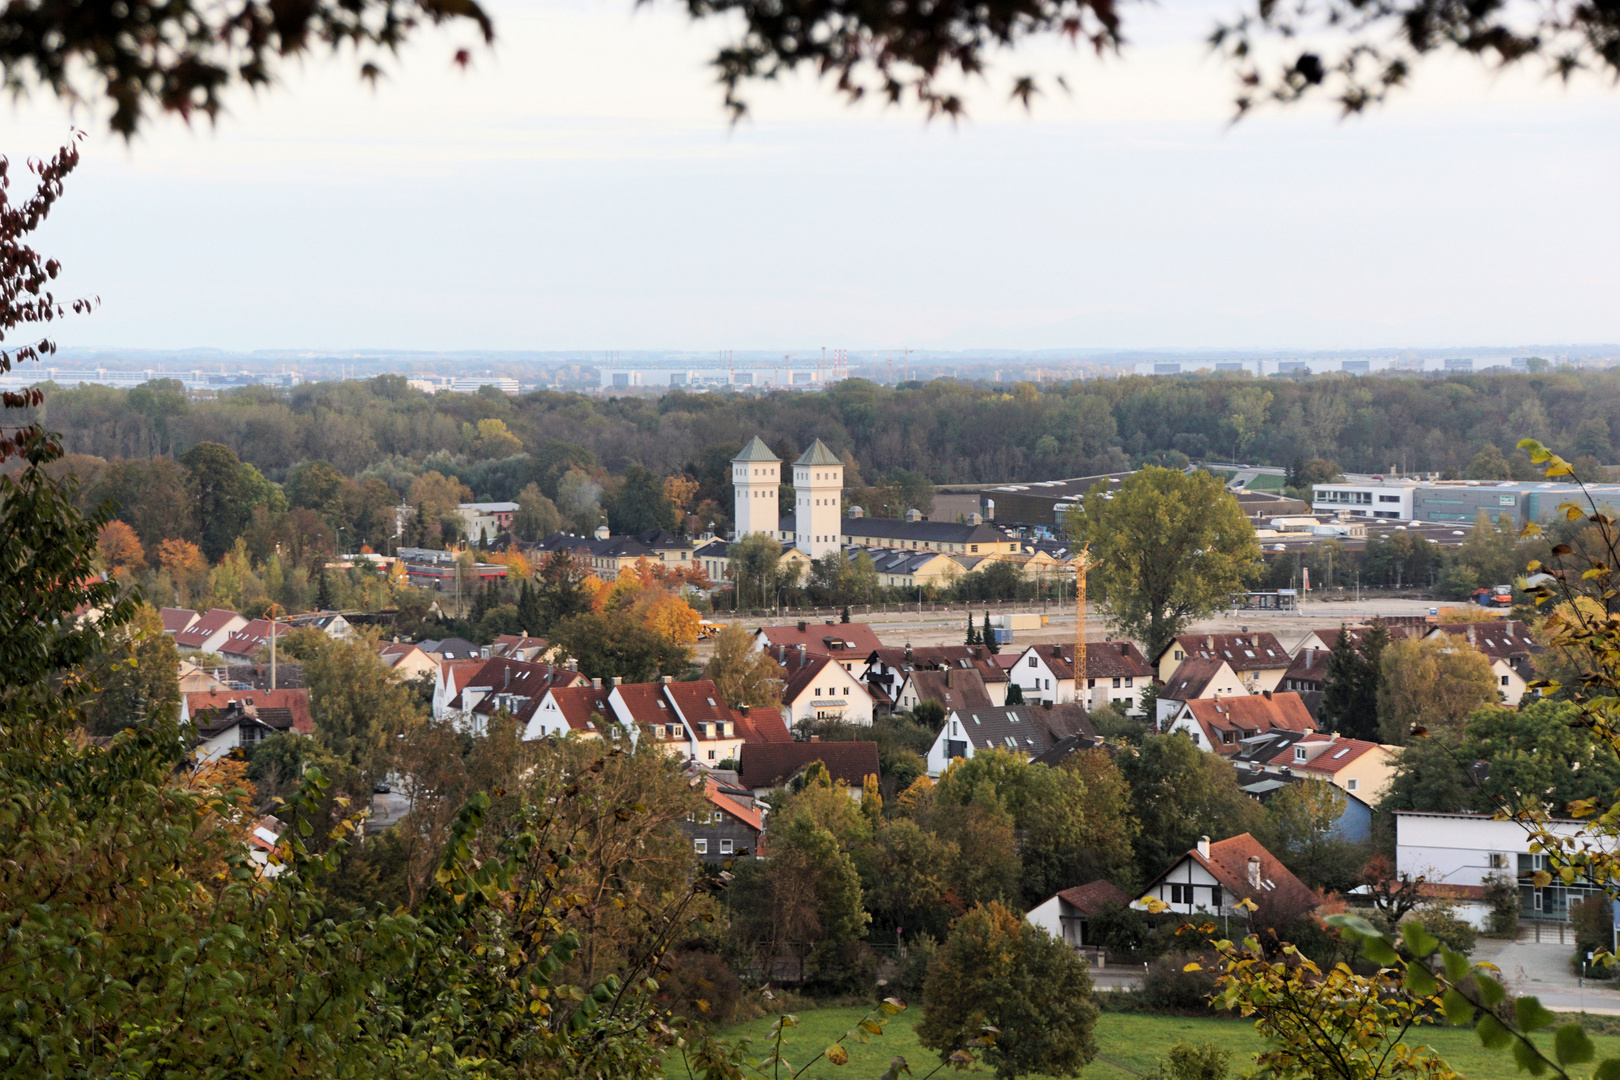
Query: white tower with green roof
x=756, y=475
x=818, y=481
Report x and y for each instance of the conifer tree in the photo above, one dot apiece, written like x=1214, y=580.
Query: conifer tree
x=989, y=636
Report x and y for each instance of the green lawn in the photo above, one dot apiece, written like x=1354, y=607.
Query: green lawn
x=1127, y=1045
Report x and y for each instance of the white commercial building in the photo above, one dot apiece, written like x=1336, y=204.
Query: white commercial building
x=1380, y=500
x=1456, y=853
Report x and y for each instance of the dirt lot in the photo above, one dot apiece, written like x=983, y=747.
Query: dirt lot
x=942, y=628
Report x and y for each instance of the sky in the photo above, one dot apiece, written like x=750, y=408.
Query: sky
x=581, y=188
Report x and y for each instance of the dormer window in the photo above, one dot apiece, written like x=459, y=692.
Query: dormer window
x=1299, y=753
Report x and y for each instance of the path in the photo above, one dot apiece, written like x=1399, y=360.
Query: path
x=1542, y=969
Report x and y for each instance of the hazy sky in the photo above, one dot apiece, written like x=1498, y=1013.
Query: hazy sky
x=581, y=188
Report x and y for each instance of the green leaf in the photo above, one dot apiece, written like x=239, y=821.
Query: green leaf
x=1492, y=1035
x=1491, y=993
x=1532, y=1014
x=1572, y=1046
x=1419, y=940
x=1456, y=964
x=1419, y=981
x=1353, y=926
x=1608, y=1069
x=1528, y=1060
x=1459, y=1010
x=1379, y=950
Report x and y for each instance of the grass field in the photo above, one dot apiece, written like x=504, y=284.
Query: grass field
x=1128, y=1046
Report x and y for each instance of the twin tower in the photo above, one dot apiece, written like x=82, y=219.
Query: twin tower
x=818, y=480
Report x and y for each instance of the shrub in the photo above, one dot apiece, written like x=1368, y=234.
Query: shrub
x=1503, y=896
x=1594, y=932
x=1439, y=920
x=1169, y=987
x=698, y=984
x=1186, y=1061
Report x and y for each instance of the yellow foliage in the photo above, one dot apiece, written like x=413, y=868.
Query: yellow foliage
x=517, y=564
x=672, y=618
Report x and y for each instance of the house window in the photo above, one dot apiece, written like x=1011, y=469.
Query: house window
x=1352, y=784
x=711, y=755
x=1179, y=656
x=1032, y=661
x=1299, y=753
x=1116, y=684
x=1130, y=680
x=1181, y=894
x=1049, y=684
x=1499, y=860
x=1504, y=680
x=701, y=846
x=725, y=847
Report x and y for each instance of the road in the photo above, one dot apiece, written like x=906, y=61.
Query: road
x=1542, y=968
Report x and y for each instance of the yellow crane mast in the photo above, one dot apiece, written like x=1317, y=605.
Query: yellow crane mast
x=1080, y=620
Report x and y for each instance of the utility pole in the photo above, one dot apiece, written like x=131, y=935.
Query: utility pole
x=1080, y=618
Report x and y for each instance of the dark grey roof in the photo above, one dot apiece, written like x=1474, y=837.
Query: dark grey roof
x=608, y=547
x=938, y=532
x=1004, y=727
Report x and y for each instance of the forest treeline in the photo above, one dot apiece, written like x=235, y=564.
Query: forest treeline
x=947, y=431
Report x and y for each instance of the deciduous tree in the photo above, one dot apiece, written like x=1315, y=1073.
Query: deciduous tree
x=996, y=969
x=1166, y=547
x=744, y=674
x=1432, y=683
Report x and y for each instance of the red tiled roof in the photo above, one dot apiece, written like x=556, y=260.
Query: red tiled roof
x=844, y=640
x=294, y=701
x=1339, y=754
x=763, y=725
x=952, y=688
x=1310, y=665
x=177, y=619
x=1499, y=639
x=578, y=703
x=1330, y=638
x=1245, y=652
x=209, y=624
x=1104, y=660
x=503, y=676
x=1243, y=716
x=1191, y=679
x=766, y=765
x=960, y=657
x=748, y=815
x=1228, y=863
x=699, y=703
x=804, y=675
x=1089, y=899
x=249, y=639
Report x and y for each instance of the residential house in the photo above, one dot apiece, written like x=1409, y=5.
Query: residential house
x=769, y=765
x=605, y=554
x=1116, y=673
x=255, y=635
x=451, y=679
x=210, y=630
x=1214, y=878
x=952, y=688
x=230, y=720
x=1064, y=915
x=1021, y=729
x=1354, y=825
x=1219, y=725
x=581, y=710
x=1363, y=769
x=1396, y=627
x=848, y=643
x=262, y=842
x=819, y=687
x=194, y=679
x=1506, y=643
x=407, y=659
x=453, y=648
x=332, y=623
x=1257, y=658
x=690, y=719
x=1197, y=678
x=900, y=569
x=714, y=558
x=502, y=684
x=888, y=668
x=535, y=650
x=727, y=826
x=176, y=619
x=1308, y=673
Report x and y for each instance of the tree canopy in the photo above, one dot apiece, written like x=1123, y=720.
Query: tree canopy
x=1166, y=547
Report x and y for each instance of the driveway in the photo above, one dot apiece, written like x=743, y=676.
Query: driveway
x=1542, y=969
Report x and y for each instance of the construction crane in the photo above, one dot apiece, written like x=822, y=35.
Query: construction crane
x=1080, y=619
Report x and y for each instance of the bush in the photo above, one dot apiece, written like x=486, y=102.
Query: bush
x=1120, y=929
x=1453, y=933
x=1186, y=1061
x=698, y=984
x=1594, y=932
x=912, y=972
x=1170, y=987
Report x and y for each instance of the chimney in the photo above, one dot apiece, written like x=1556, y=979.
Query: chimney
x=947, y=677
x=602, y=532
x=1254, y=871
x=801, y=654
x=663, y=680
x=1267, y=694
x=743, y=709
x=815, y=738
x=908, y=652
x=596, y=684
x=617, y=680
x=803, y=626
x=1203, y=847
x=506, y=676
x=1209, y=642
x=1124, y=648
